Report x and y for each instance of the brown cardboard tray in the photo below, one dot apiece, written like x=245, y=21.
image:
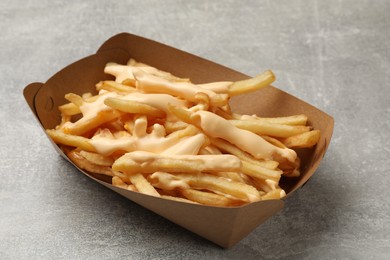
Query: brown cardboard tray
x=223, y=226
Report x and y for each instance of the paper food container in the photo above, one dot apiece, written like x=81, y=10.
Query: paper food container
x=223, y=226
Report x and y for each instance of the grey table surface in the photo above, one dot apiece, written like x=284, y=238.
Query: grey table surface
x=332, y=54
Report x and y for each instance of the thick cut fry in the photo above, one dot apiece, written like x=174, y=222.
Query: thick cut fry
x=84, y=164
x=249, y=85
x=146, y=162
x=285, y=120
x=238, y=190
x=133, y=107
x=265, y=128
x=210, y=199
x=304, y=140
x=70, y=140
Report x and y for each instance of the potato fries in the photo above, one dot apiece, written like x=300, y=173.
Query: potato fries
x=164, y=136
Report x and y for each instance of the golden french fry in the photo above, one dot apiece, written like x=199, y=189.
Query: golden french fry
x=83, y=126
x=291, y=174
x=133, y=107
x=132, y=188
x=222, y=113
x=270, y=129
x=70, y=140
x=115, y=125
x=260, y=172
x=129, y=82
x=249, y=85
x=97, y=159
x=129, y=125
x=181, y=113
x=238, y=190
x=87, y=96
x=84, y=164
x=210, y=149
x=140, y=125
x=274, y=195
x=174, y=126
x=116, y=181
x=203, y=100
x=234, y=176
x=143, y=185
x=75, y=99
x=122, y=176
x=285, y=120
x=149, y=83
x=265, y=185
x=115, y=87
x=228, y=147
x=304, y=140
x=210, y=199
x=166, y=181
x=154, y=71
x=146, y=162
x=132, y=62
x=273, y=141
x=69, y=109
x=189, y=130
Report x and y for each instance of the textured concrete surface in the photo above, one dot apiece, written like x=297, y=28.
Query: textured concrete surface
x=332, y=54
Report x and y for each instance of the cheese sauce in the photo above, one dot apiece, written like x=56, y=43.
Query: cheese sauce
x=217, y=127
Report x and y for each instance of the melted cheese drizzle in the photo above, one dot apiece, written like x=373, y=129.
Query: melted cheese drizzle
x=167, y=181
x=216, y=162
x=90, y=110
x=152, y=84
x=217, y=127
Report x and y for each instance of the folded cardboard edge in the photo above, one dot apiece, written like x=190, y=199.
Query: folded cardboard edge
x=29, y=93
